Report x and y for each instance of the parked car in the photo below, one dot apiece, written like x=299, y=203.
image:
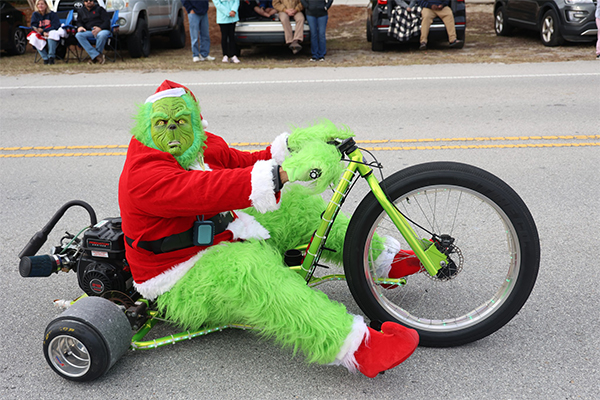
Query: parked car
x=555, y=20
x=253, y=29
x=378, y=24
x=138, y=19
x=14, y=39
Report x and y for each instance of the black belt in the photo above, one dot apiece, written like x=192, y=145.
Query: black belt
x=181, y=240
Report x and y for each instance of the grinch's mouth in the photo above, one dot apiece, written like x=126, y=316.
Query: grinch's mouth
x=174, y=143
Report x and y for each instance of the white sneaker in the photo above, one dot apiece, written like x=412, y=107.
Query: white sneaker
x=235, y=60
x=225, y=59
x=196, y=59
x=207, y=58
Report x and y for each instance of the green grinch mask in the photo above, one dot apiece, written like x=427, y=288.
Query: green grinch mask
x=171, y=126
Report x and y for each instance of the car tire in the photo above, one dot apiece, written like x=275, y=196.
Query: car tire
x=369, y=30
x=138, y=43
x=177, y=35
x=501, y=25
x=19, y=42
x=376, y=43
x=550, y=31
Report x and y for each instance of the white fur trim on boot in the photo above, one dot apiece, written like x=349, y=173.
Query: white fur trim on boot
x=383, y=263
x=358, y=333
x=263, y=188
x=245, y=227
x=279, y=148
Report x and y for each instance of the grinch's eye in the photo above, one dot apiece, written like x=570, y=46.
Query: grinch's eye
x=161, y=122
x=181, y=121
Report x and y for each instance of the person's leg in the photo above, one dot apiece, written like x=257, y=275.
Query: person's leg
x=101, y=39
x=44, y=53
x=52, y=45
x=448, y=18
x=314, y=36
x=322, y=24
x=247, y=283
x=204, y=36
x=83, y=39
x=299, y=31
x=195, y=25
x=427, y=16
x=287, y=27
x=223, y=28
x=232, y=45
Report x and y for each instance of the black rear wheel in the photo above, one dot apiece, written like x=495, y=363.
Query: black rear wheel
x=493, y=261
x=87, y=339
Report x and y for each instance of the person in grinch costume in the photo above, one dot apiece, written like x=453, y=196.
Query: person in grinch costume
x=206, y=226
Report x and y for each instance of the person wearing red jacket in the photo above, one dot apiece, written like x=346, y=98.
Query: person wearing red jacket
x=205, y=262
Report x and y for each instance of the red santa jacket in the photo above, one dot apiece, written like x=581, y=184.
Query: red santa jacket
x=159, y=198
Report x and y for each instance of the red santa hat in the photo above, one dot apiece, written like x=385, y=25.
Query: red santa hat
x=173, y=89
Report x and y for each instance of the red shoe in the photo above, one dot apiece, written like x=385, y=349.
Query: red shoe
x=386, y=349
x=405, y=263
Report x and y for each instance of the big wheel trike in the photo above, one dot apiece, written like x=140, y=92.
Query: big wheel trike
x=475, y=239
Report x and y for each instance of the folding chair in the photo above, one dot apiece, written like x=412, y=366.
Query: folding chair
x=69, y=46
x=113, y=40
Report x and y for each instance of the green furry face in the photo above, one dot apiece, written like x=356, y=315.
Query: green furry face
x=171, y=126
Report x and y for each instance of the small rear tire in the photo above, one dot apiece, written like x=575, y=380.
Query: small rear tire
x=87, y=339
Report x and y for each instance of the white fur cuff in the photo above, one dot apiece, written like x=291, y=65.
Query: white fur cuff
x=263, y=188
x=279, y=148
x=358, y=333
x=383, y=263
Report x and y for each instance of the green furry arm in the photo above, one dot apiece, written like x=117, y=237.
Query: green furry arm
x=325, y=131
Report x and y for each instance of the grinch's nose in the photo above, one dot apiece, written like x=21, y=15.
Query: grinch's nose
x=172, y=127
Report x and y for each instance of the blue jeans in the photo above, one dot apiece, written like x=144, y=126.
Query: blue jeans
x=318, y=41
x=84, y=40
x=199, y=26
x=50, y=50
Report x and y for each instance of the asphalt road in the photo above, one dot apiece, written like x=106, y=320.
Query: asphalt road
x=534, y=125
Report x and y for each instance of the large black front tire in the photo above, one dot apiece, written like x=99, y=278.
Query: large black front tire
x=497, y=253
x=138, y=43
x=87, y=339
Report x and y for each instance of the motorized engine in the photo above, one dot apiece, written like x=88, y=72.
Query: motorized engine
x=98, y=257
x=102, y=266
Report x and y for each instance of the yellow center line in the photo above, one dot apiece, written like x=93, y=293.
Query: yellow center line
x=558, y=142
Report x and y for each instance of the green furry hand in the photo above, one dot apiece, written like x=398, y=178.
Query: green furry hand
x=324, y=132
x=318, y=162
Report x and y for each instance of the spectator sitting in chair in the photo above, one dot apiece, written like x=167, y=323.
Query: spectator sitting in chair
x=93, y=22
x=431, y=9
x=43, y=21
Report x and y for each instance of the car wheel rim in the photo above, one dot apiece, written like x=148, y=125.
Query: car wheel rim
x=20, y=41
x=69, y=356
x=548, y=29
x=499, y=22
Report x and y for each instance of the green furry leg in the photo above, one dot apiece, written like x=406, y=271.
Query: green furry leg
x=246, y=283
x=297, y=218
